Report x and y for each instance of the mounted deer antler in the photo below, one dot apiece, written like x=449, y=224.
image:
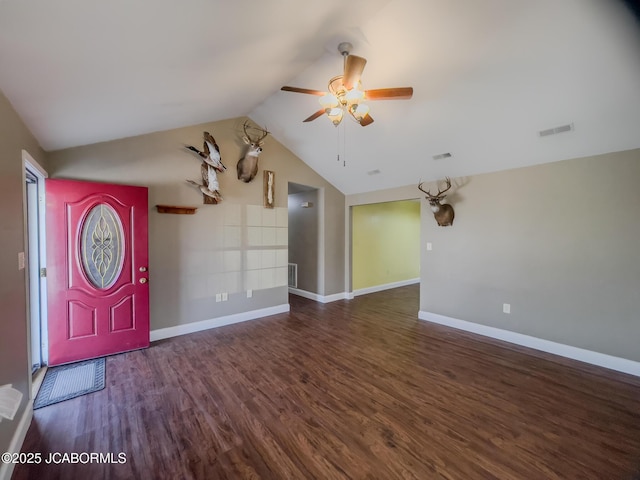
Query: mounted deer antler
x=248, y=165
x=442, y=212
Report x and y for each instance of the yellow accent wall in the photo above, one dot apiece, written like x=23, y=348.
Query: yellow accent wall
x=386, y=243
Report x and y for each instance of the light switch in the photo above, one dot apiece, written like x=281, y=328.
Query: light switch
x=225, y=296
x=20, y=260
x=429, y=246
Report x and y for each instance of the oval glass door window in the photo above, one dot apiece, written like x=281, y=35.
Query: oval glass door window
x=101, y=246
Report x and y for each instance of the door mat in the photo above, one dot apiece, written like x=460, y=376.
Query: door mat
x=70, y=381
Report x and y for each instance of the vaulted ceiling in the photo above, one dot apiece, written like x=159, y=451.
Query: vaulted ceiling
x=488, y=75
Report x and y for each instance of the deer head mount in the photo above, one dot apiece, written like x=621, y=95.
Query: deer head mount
x=248, y=165
x=442, y=212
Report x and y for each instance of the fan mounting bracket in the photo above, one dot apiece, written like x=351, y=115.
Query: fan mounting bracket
x=345, y=48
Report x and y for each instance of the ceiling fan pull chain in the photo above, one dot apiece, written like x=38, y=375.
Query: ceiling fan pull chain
x=338, y=144
x=344, y=145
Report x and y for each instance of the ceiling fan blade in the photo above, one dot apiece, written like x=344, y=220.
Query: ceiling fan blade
x=319, y=113
x=353, y=67
x=397, y=93
x=303, y=90
x=366, y=120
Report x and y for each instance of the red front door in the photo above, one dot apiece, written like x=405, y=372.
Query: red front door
x=97, y=269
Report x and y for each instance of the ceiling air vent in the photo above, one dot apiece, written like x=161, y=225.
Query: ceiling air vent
x=374, y=172
x=441, y=156
x=556, y=130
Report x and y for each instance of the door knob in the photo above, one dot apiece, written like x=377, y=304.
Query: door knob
x=143, y=280
x=143, y=269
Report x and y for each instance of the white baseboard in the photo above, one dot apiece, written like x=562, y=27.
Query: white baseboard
x=168, y=332
x=6, y=469
x=317, y=297
x=386, y=286
x=351, y=295
x=594, y=358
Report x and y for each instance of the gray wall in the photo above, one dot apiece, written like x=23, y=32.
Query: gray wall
x=192, y=255
x=559, y=242
x=14, y=364
x=303, y=239
x=407, y=192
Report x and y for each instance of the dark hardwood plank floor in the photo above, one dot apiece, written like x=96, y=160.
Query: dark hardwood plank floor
x=358, y=389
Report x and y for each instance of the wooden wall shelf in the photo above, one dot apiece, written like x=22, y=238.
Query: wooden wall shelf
x=180, y=210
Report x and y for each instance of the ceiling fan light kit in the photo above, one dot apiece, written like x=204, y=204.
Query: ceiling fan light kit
x=345, y=94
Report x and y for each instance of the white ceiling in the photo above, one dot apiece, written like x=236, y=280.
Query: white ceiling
x=487, y=76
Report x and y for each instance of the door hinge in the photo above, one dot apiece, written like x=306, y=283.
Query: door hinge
x=43, y=272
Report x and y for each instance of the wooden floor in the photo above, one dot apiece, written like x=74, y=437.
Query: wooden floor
x=351, y=389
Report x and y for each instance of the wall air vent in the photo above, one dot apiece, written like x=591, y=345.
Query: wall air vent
x=441, y=156
x=556, y=130
x=292, y=274
x=374, y=172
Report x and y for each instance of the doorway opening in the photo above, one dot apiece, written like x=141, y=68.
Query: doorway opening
x=306, y=240
x=385, y=245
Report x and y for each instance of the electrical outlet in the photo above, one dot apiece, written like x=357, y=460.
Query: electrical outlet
x=218, y=297
x=506, y=308
x=225, y=297
x=249, y=293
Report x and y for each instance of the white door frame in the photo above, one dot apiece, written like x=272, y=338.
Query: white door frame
x=36, y=306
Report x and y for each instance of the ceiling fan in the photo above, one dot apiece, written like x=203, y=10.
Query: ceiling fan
x=345, y=93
